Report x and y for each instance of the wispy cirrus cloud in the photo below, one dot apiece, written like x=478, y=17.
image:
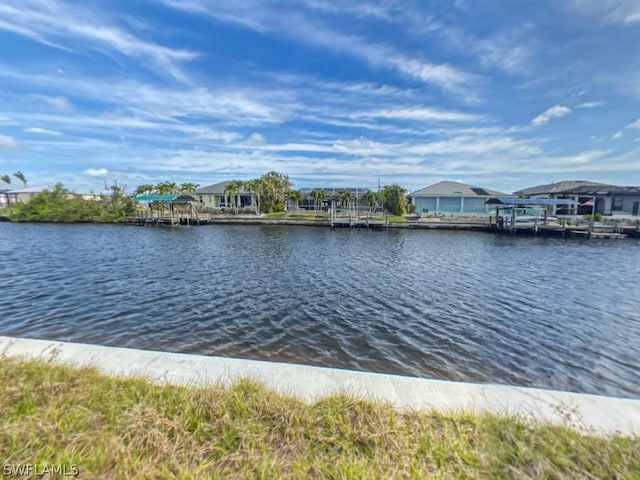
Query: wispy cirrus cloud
x=594, y=104
x=59, y=24
x=635, y=124
x=42, y=131
x=419, y=114
x=608, y=11
x=293, y=23
x=556, y=111
x=61, y=103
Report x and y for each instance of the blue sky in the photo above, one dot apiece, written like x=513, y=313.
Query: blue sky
x=500, y=94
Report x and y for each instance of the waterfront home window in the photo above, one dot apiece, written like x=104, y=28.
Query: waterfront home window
x=616, y=203
x=200, y=198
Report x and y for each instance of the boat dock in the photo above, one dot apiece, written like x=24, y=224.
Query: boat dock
x=359, y=224
x=171, y=221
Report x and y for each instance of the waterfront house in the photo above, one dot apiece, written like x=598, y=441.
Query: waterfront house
x=609, y=199
x=331, y=193
x=215, y=196
x=23, y=194
x=453, y=198
x=4, y=197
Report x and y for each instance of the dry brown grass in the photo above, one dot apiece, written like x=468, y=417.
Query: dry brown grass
x=115, y=428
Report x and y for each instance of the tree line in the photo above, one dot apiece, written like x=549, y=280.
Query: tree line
x=60, y=205
x=270, y=193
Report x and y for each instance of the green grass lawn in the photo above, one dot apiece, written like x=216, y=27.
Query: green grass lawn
x=297, y=216
x=115, y=428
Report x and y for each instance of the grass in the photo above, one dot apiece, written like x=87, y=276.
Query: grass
x=395, y=218
x=116, y=428
x=297, y=216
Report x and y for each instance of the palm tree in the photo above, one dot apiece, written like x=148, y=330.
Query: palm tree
x=20, y=176
x=295, y=196
x=234, y=186
x=146, y=188
x=318, y=197
x=166, y=188
x=371, y=199
x=5, y=178
x=189, y=187
x=345, y=197
x=255, y=187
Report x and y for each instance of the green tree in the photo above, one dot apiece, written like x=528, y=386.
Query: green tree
x=20, y=176
x=6, y=178
x=189, y=187
x=318, y=197
x=345, y=197
x=295, y=196
x=274, y=191
x=116, y=205
x=371, y=199
x=166, y=188
x=394, y=199
x=255, y=187
x=144, y=189
x=234, y=187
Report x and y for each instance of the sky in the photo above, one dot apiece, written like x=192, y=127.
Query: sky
x=499, y=94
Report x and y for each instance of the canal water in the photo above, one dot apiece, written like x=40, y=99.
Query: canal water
x=552, y=313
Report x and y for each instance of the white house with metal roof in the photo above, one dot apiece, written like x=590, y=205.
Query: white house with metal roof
x=4, y=197
x=24, y=194
x=215, y=196
x=453, y=198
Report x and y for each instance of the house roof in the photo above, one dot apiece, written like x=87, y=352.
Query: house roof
x=334, y=190
x=164, y=198
x=457, y=189
x=528, y=202
x=559, y=187
x=217, y=189
x=36, y=189
x=603, y=190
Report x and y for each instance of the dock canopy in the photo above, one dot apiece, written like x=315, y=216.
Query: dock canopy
x=174, y=198
x=528, y=202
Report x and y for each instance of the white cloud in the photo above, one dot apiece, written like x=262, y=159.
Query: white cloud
x=264, y=17
x=420, y=114
x=60, y=103
x=635, y=124
x=255, y=140
x=556, y=111
x=592, y=104
x=96, y=172
x=61, y=25
x=509, y=52
x=608, y=11
x=617, y=135
x=8, y=142
x=42, y=131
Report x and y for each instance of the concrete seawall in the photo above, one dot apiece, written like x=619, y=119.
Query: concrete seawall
x=327, y=223
x=591, y=413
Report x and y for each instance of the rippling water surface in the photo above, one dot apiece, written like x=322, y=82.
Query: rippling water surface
x=538, y=312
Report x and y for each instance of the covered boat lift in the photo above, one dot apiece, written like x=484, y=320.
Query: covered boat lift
x=180, y=209
x=505, y=203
